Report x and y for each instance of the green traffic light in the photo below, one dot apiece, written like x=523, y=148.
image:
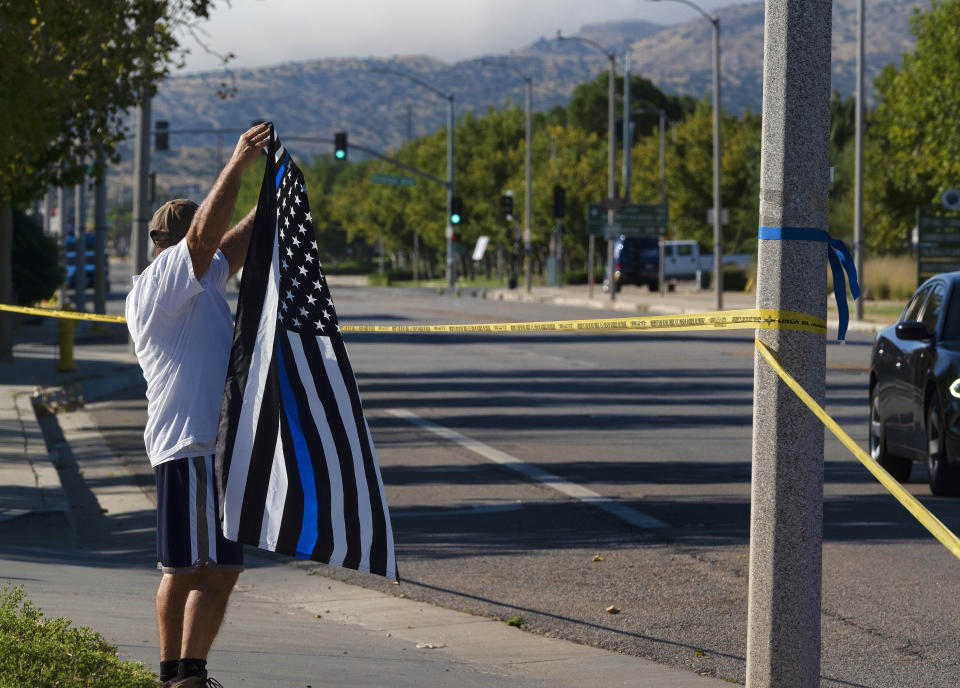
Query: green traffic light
x=341, y=154
x=455, y=219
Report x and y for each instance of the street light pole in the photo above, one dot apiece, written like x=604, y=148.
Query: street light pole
x=451, y=262
x=451, y=258
x=858, y=174
x=717, y=220
x=528, y=171
x=611, y=160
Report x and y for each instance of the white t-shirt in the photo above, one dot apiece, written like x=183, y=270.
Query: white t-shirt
x=182, y=333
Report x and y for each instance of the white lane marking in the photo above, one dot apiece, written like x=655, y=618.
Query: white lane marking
x=583, y=494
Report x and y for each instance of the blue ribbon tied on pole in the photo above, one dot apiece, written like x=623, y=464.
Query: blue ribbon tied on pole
x=840, y=260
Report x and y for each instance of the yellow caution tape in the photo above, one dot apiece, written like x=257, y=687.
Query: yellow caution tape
x=66, y=315
x=750, y=318
x=919, y=511
x=745, y=319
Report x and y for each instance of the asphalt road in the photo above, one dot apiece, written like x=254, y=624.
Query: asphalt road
x=659, y=426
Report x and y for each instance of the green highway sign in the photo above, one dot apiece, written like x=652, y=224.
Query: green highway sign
x=635, y=220
x=392, y=179
x=938, y=244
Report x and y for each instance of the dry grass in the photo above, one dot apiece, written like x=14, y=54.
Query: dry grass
x=886, y=279
x=890, y=278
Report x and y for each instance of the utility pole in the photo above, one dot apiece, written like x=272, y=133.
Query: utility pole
x=858, y=192
x=611, y=169
x=786, y=519
x=528, y=176
x=627, y=138
x=140, y=217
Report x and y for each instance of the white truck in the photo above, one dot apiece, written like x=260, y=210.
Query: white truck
x=682, y=260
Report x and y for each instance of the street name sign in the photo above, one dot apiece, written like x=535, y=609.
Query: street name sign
x=392, y=179
x=635, y=220
x=938, y=245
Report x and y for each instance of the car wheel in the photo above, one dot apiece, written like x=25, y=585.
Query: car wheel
x=896, y=466
x=943, y=482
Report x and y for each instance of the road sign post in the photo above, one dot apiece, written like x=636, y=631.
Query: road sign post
x=786, y=517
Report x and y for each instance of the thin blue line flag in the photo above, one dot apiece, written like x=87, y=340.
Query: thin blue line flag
x=295, y=461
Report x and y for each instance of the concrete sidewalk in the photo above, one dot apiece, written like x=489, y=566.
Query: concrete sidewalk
x=286, y=626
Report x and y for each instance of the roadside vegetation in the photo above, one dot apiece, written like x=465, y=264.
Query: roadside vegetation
x=38, y=652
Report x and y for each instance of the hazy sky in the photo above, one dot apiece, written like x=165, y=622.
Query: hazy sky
x=264, y=32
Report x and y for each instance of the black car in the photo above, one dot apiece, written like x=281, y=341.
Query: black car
x=915, y=387
x=636, y=261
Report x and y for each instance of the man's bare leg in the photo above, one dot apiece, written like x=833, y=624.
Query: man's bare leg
x=171, y=601
x=203, y=612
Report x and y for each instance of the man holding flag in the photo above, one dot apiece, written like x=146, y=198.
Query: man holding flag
x=182, y=331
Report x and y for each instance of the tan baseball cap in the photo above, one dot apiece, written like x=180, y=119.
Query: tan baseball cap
x=171, y=221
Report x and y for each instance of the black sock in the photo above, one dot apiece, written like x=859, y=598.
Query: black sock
x=192, y=667
x=169, y=669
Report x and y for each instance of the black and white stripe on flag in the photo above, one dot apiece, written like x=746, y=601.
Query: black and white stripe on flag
x=295, y=460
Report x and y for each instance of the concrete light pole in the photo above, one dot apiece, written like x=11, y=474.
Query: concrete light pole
x=611, y=160
x=528, y=165
x=786, y=516
x=717, y=220
x=451, y=259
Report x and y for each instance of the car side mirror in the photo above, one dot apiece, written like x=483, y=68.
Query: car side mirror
x=913, y=330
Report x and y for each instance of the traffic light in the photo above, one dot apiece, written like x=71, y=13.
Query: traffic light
x=559, y=201
x=162, y=140
x=455, y=238
x=506, y=203
x=456, y=210
x=340, y=145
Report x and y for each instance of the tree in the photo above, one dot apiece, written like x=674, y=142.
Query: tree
x=70, y=70
x=914, y=152
x=588, y=107
x=36, y=272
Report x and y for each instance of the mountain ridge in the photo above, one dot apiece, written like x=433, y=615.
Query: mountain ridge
x=315, y=97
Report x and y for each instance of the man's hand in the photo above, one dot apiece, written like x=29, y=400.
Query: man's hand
x=212, y=217
x=251, y=142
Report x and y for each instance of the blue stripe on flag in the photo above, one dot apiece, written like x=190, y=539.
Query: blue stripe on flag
x=276, y=184
x=308, y=529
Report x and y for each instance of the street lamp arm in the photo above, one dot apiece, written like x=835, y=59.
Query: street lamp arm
x=709, y=17
x=411, y=77
x=586, y=41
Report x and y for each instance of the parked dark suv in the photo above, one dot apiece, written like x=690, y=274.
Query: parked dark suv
x=915, y=387
x=635, y=261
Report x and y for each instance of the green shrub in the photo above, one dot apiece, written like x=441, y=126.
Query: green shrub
x=575, y=277
x=378, y=279
x=355, y=266
x=51, y=653
x=36, y=272
x=734, y=279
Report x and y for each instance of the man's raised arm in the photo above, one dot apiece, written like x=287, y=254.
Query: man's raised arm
x=213, y=216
